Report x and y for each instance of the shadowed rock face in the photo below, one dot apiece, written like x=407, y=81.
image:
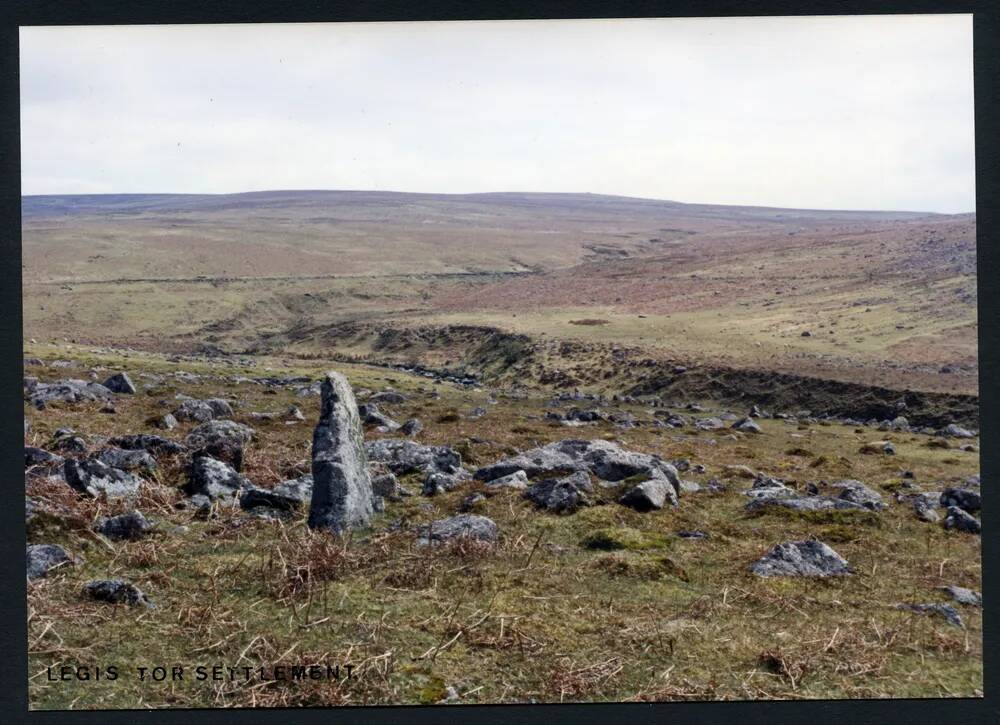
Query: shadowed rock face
x=342, y=487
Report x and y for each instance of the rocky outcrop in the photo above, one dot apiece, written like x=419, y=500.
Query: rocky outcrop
x=342, y=487
x=67, y=391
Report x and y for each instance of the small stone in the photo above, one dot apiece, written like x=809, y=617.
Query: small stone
x=42, y=558
x=128, y=526
x=116, y=591
x=947, y=611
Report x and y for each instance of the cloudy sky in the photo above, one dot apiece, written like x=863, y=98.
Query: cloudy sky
x=849, y=112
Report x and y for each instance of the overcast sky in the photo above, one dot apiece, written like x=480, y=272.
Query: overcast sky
x=823, y=112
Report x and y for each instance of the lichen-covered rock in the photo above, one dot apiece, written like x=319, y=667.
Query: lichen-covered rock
x=801, y=558
x=960, y=520
x=411, y=427
x=403, y=456
x=125, y=527
x=120, y=383
x=151, y=443
x=517, y=480
x=67, y=391
x=957, y=431
x=41, y=460
x=214, y=479
x=116, y=591
x=371, y=415
x=291, y=495
x=44, y=557
x=220, y=408
x=196, y=410
x=803, y=503
x=389, y=397
x=342, y=487
x=561, y=495
x=747, y=425
x=219, y=432
x=859, y=493
x=127, y=460
x=964, y=596
x=94, y=478
x=653, y=493
x=604, y=459
x=470, y=526
x=964, y=498
x=946, y=611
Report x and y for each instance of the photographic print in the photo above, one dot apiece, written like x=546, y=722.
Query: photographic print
x=500, y=362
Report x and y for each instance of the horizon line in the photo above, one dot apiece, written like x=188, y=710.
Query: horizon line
x=497, y=193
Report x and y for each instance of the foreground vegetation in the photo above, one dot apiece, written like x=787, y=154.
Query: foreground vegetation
x=606, y=604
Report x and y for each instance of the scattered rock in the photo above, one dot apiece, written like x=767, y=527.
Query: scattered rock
x=961, y=521
x=371, y=415
x=42, y=558
x=947, y=611
x=152, y=443
x=747, y=425
x=470, y=526
x=857, y=492
x=411, y=427
x=94, y=477
x=403, y=456
x=602, y=458
x=291, y=495
x=957, y=431
x=116, y=591
x=67, y=391
x=223, y=433
x=126, y=527
x=388, y=397
x=165, y=422
x=801, y=558
x=963, y=595
x=650, y=494
x=120, y=383
x=127, y=460
x=196, y=410
x=517, y=480
x=965, y=499
x=214, y=479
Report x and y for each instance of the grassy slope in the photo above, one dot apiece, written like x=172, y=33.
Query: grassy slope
x=539, y=617
x=890, y=299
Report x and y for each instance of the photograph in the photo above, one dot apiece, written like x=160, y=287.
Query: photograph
x=500, y=362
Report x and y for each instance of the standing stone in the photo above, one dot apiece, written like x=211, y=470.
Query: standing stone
x=342, y=487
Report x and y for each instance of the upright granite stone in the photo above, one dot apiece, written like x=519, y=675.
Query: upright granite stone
x=342, y=487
